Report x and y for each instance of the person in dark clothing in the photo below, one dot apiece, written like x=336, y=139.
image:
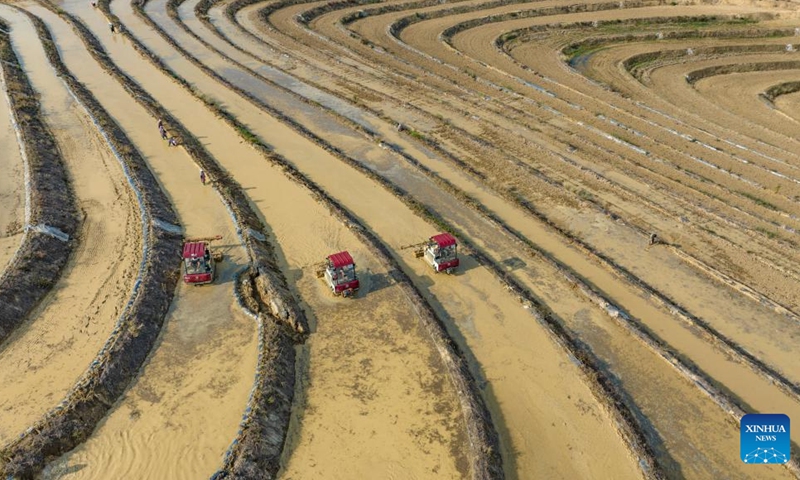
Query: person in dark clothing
x=203, y=177
x=163, y=132
x=112, y=27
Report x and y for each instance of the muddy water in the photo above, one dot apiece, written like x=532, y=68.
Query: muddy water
x=186, y=12
x=8, y=247
x=182, y=411
x=368, y=378
x=586, y=320
x=609, y=281
x=731, y=374
x=388, y=217
x=12, y=193
x=403, y=353
x=687, y=455
x=744, y=321
x=44, y=358
x=180, y=414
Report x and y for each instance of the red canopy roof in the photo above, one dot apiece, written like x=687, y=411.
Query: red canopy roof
x=341, y=259
x=194, y=249
x=444, y=239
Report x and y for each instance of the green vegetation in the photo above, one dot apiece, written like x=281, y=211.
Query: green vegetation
x=418, y=135
x=766, y=232
x=580, y=49
x=246, y=134
x=759, y=201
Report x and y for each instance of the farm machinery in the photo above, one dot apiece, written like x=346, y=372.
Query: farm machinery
x=198, y=260
x=339, y=272
x=439, y=251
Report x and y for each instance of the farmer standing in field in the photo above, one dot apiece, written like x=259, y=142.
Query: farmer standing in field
x=203, y=177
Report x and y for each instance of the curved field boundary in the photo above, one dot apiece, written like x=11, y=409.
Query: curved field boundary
x=51, y=215
x=486, y=461
x=697, y=75
x=726, y=345
x=720, y=397
x=589, y=291
x=269, y=405
x=723, y=343
x=118, y=362
x=448, y=33
x=755, y=34
x=496, y=86
x=258, y=445
x=399, y=23
x=640, y=165
x=784, y=88
x=271, y=281
x=632, y=435
x=712, y=335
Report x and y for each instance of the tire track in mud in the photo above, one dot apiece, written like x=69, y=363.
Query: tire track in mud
x=45, y=358
x=72, y=420
x=100, y=82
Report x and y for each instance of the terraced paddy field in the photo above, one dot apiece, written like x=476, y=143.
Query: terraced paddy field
x=622, y=179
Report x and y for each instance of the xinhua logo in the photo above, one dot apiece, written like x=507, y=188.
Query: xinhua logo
x=764, y=438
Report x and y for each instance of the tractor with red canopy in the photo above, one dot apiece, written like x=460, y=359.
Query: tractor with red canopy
x=440, y=251
x=339, y=271
x=198, y=261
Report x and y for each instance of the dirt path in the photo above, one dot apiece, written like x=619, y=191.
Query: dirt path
x=12, y=193
x=201, y=371
x=44, y=358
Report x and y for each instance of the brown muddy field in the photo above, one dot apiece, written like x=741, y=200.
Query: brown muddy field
x=555, y=141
